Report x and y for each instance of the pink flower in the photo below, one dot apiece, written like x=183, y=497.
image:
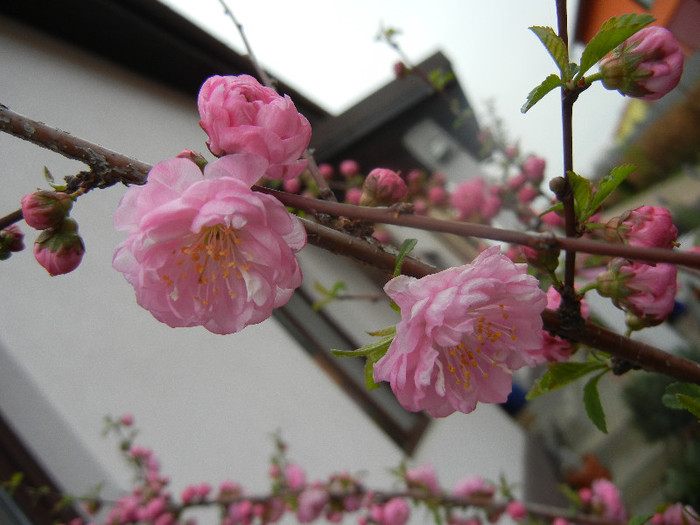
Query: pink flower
x=45, y=209
x=647, y=65
x=423, y=477
x=349, y=168
x=606, y=500
x=527, y=193
x=241, y=116
x=382, y=187
x=473, y=486
x=677, y=514
x=643, y=226
x=395, y=512
x=59, y=250
x=646, y=291
x=311, y=504
x=511, y=151
x=516, y=510
x=462, y=333
x=533, y=169
x=554, y=348
x=437, y=195
x=11, y=240
x=294, y=476
x=207, y=250
x=326, y=170
x=127, y=420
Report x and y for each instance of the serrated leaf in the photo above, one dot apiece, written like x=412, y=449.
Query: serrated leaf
x=591, y=400
x=561, y=374
x=556, y=47
x=608, y=184
x=611, y=34
x=547, y=85
x=583, y=195
x=406, y=246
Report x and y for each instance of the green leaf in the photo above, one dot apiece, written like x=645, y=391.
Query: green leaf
x=328, y=295
x=608, y=184
x=547, y=85
x=406, y=246
x=369, y=371
x=378, y=346
x=681, y=396
x=583, y=195
x=639, y=519
x=591, y=400
x=560, y=374
x=556, y=47
x=391, y=330
x=611, y=34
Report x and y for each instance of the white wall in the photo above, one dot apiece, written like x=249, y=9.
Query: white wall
x=77, y=347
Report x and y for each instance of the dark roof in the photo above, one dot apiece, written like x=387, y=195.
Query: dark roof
x=144, y=36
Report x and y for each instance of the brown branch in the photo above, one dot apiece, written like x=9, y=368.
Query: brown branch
x=130, y=171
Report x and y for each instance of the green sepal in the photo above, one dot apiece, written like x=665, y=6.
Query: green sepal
x=547, y=85
x=556, y=47
x=561, y=374
x=52, y=182
x=391, y=330
x=681, y=396
x=610, y=35
x=591, y=400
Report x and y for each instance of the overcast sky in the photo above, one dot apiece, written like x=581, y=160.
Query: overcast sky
x=327, y=50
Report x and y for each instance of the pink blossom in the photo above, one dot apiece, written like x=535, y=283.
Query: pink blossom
x=527, y=194
x=241, y=513
x=423, y=477
x=205, y=249
x=644, y=226
x=514, y=183
x=382, y=236
x=127, y=420
x=554, y=348
x=468, y=198
x=473, y=486
x=646, y=291
x=511, y=151
x=326, y=170
x=11, y=240
x=292, y=185
x=516, y=510
x=647, y=65
x=677, y=514
x=606, y=500
x=349, y=168
x=59, y=250
x=45, y=209
x=395, y=512
x=553, y=219
x=241, y=116
x=382, y=187
x=462, y=333
x=311, y=504
x=490, y=207
x=294, y=476
x=533, y=169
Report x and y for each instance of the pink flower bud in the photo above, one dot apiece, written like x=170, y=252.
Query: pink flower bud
x=60, y=249
x=294, y=476
x=292, y=185
x=195, y=157
x=326, y=170
x=646, y=291
x=349, y=168
x=353, y=195
x=516, y=510
x=127, y=420
x=400, y=70
x=644, y=226
x=437, y=195
x=511, y=152
x=382, y=236
x=473, y=486
x=490, y=207
x=241, y=116
x=606, y=500
x=311, y=504
x=647, y=65
x=395, y=512
x=11, y=240
x=468, y=197
x=533, y=169
x=382, y=187
x=423, y=477
x=527, y=194
x=45, y=209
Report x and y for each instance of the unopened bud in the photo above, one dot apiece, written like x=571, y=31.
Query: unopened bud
x=11, y=240
x=382, y=187
x=45, y=209
x=60, y=249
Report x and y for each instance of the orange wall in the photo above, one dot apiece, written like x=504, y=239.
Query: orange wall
x=592, y=14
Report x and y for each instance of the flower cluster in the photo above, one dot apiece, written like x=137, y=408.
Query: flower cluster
x=202, y=247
